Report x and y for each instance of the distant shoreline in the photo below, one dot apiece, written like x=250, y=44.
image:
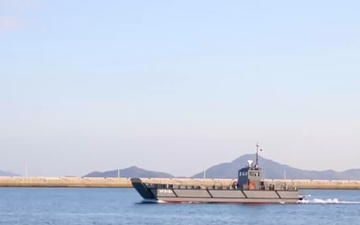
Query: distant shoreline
x=111, y=182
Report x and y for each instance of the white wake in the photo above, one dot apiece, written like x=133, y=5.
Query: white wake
x=327, y=201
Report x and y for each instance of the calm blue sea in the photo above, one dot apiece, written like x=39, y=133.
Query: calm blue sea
x=90, y=206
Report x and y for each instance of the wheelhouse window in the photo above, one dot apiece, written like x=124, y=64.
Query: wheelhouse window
x=241, y=174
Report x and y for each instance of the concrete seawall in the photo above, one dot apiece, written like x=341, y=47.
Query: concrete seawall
x=125, y=182
x=64, y=182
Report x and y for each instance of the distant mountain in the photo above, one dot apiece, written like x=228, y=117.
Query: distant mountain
x=271, y=170
x=274, y=170
x=5, y=173
x=130, y=172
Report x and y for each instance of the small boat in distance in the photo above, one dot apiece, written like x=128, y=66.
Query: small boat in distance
x=249, y=188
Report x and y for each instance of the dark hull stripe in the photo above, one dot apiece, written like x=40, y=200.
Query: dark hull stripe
x=250, y=203
x=224, y=197
x=231, y=202
x=277, y=194
x=209, y=193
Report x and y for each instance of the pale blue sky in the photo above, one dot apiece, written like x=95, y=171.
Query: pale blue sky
x=177, y=86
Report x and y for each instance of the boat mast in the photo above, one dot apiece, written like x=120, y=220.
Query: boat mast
x=257, y=155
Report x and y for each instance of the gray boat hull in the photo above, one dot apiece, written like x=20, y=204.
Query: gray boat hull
x=191, y=194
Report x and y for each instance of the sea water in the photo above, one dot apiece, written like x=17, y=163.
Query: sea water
x=108, y=206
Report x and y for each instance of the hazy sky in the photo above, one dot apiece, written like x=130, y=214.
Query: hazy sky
x=177, y=86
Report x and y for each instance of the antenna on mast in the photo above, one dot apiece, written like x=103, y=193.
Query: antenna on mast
x=257, y=155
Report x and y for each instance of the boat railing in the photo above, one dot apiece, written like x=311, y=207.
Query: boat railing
x=270, y=187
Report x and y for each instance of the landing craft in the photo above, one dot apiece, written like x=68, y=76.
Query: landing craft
x=249, y=188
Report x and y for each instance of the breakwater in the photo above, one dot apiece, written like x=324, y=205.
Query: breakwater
x=125, y=182
x=64, y=182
